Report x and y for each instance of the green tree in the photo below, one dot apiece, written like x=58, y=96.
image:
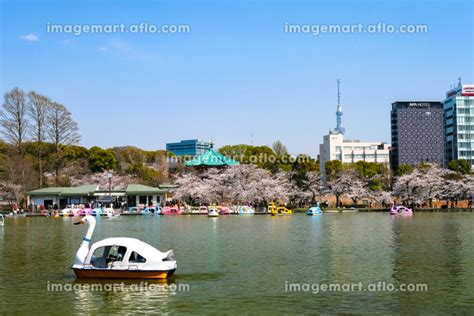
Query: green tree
x=73, y=152
x=333, y=169
x=374, y=174
x=237, y=152
x=461, y=166
x=302, y=166
x=100, y=159
x=261, y=156
x=404, y=169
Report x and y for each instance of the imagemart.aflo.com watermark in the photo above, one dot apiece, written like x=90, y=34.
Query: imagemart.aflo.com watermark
x=380, y=286
x=358, y=28
x=118, y=287
x=117, y=28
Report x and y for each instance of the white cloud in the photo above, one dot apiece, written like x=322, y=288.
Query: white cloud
x=119, y=47
x=30, y=37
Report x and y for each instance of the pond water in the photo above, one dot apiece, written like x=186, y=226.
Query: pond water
x=251, y=264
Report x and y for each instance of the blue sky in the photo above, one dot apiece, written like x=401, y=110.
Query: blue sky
x=237, y=73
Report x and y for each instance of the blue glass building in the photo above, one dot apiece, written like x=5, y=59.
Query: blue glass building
x=189, y=147
x=459, y=123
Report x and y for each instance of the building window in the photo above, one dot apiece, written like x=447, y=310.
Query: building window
x=74, y=200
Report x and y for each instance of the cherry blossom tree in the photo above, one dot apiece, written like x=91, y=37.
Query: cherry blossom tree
x=346, y=184
x=382, y=198
x=306, y=191
x=469, y=188
x=427, y=183
x=432, y=182
x=242, y=184
x=408, y=188
x=191, y=188
x=452, y=190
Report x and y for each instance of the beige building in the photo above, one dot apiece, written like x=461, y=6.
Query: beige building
x=335, y=147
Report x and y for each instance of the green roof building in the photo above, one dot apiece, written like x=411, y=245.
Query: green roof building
x=135, y=195
x=62, y=196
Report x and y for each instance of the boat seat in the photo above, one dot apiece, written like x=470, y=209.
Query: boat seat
x=100, y=263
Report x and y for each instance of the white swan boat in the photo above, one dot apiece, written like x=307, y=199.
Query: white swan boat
x=243, y=209
x=2, y=220
x=122, y=258
x=213, y=212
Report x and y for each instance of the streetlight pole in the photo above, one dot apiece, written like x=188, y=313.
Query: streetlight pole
x=109, y=176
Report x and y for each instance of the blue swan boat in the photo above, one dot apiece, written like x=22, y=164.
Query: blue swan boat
x=314, y=210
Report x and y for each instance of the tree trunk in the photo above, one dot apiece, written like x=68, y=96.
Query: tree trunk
x=40, y=167
x=56, y=167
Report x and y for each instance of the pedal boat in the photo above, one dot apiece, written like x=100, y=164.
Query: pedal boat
x=213, y=212
x=152, y=211
x=171, y=210
x=243, y=209
x=203, y=210
x=314, y=210
x=120, y=258
x=278, y=210
x=224, y=210
x=400, y=210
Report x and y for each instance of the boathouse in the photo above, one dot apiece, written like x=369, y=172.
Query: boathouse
x=134, y=195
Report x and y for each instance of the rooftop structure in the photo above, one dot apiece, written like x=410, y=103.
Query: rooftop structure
x=339, y=128
x=211, y=158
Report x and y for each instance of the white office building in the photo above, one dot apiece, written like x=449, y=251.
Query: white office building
x=335, y=147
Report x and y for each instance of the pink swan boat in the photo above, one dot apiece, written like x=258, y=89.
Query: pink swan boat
x=400, y=210
x=171, y=210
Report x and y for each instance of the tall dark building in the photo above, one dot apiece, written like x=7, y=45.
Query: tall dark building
x=417, y=133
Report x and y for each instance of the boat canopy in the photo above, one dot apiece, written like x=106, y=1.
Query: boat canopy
x=127, y=248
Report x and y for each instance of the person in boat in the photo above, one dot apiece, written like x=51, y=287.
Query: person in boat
x=111, y=258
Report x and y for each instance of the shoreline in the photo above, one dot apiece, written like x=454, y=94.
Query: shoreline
x=297, y=211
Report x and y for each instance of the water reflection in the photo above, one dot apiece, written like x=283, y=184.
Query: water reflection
x=95, y=296
x=429, y=250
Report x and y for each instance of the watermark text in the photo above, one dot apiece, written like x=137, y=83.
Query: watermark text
x=119, y=28
x=359, y=28
x=381, y=286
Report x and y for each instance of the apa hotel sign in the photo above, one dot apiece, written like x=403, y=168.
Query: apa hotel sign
x=419, y=105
